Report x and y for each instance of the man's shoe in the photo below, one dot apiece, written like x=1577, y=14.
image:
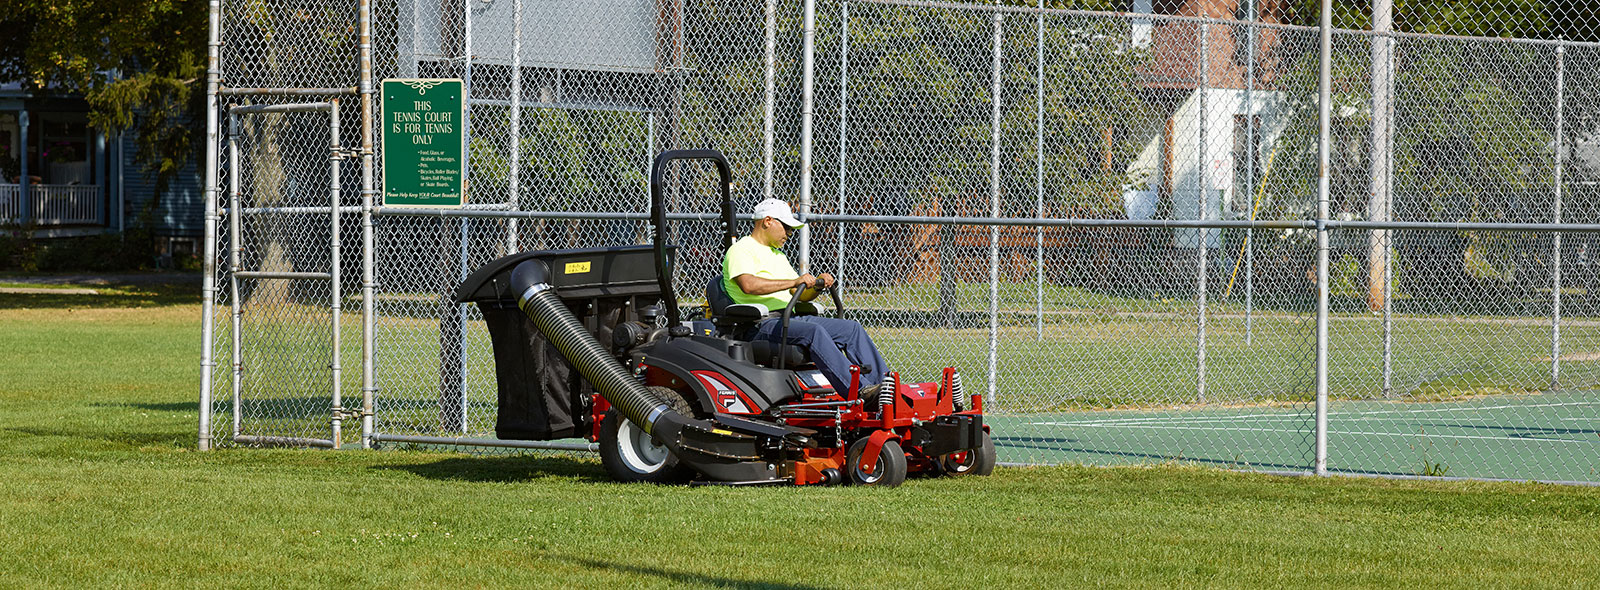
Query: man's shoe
x=870, y=391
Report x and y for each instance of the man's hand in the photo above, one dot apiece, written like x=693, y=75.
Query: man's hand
x=827, y=280
x=805, y=287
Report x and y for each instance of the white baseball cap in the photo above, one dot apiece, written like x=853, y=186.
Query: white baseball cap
x=777, y=209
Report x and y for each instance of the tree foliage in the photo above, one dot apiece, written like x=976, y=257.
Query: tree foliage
x=139, y=63
x=1474, y=128
x=919, y=125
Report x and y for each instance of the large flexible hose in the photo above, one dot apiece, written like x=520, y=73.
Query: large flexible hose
x=537, y=298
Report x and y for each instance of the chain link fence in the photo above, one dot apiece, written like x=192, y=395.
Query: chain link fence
x=1106, y=214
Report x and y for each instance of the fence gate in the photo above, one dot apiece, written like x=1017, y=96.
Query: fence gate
x=284, y=274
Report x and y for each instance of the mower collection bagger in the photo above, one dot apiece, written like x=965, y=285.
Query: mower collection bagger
x=674, y=401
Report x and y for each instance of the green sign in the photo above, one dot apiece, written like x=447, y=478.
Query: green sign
x=422, y=163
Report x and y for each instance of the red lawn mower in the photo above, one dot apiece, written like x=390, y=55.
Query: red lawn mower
x=673, y=401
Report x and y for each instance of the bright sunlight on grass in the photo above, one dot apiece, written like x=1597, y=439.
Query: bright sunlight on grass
x=102, y=488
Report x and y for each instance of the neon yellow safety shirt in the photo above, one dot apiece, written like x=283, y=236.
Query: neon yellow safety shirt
x=749, y=257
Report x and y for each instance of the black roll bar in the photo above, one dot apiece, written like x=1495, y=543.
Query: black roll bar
x=658, y=216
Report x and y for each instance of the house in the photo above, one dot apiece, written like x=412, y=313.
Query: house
x=1206, y=167
x=66, y=178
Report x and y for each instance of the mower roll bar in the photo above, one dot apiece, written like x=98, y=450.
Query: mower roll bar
x=658, y=216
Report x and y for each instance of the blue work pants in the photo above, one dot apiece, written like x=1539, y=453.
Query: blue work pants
x=822, y=337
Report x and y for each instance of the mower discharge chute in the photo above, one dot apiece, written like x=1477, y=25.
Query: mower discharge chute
x=589, y=343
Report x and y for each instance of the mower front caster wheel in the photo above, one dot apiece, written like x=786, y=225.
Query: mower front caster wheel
x=628, y=453
x=977, y=461
x=889, y=472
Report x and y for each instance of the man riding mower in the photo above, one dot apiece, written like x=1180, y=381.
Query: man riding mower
x=750, y=396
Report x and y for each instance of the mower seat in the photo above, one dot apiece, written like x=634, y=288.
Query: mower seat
x=731, y=318
x=734, y=320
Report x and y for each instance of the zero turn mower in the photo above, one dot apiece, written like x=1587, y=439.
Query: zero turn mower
x=589, y=343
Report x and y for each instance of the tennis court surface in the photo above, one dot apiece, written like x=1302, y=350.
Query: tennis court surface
x=1550, y=436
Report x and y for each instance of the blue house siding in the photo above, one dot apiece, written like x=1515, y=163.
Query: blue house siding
x=182, y=208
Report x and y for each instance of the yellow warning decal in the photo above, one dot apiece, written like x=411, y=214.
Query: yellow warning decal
x=574, y=268
x=722, y=432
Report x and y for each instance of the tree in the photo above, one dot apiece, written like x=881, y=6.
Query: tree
x=1474, y=126
x=140, y=64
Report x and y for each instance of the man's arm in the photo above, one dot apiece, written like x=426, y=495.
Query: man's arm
x=754, y=285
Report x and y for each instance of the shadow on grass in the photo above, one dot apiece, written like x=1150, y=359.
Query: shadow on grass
x=683, y=577
x=512, y=469
x=167, y=407
x=1071, y=445
x=110, y=296
x=127, y=439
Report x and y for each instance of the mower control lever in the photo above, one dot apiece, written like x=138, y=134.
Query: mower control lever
x=833, y=292
x=788, y=311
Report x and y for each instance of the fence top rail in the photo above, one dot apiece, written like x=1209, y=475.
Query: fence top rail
x=1212, y=21
x=286, y=91
x=280, y=108
x=1305, y=224
x=307, y=210
x=1444, y=37
x=1468, y=226
x=1064, y=222
x=575, y=215
x=1213, y=223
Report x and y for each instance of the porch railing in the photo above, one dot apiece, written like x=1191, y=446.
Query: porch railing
x=53, y=204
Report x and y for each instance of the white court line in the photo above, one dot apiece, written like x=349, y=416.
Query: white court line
x=1170, y=419
x=1301, y=419
x=1402, y=434
x=1292, y=419
x=1465, y=408
x=1285, y=416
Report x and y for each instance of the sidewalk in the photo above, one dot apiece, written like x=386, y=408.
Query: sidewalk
x=102, y=279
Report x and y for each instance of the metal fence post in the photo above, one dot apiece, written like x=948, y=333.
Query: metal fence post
x=1381, y=193
x=1388, y=235
x=649, y=154
x=452, y=329
x=770, y=98
x=1388, y=322
x=1324, y=117
x=514, y=182
x=335, y=286
x=368, y=245
x=807, y=100
x=235, y=254
x=1204, y=194
x=1038, y=180
x=1250, y=179
x=1555, y=272
x=209, y=281
x=994, y=209
x=844, y=122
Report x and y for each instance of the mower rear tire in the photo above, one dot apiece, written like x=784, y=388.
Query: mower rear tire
x=890, y=470
x=976, y=461
x=628, y=453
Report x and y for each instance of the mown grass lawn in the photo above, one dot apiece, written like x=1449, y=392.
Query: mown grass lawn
x=101, y=488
